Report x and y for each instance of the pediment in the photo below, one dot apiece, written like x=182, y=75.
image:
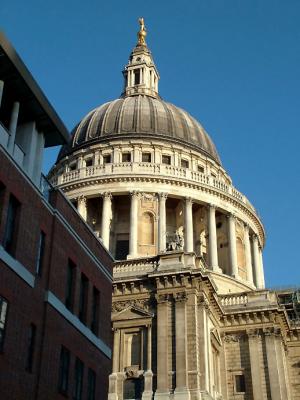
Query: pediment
x=130, y=313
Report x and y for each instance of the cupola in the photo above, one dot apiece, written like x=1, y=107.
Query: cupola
x=140, y=74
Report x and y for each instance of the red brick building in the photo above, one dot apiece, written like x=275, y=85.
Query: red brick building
x=55, y=275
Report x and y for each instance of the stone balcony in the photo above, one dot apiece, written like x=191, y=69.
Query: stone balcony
x=151, y=170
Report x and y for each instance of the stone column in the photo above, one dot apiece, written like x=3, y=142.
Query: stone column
x=148, y=375
x=81, y=206
x=256, y=262
x=232, y=246
x=276, y=374
x=133, y=238
x=181, y=391
x=13, y=126
x=162, y=233
x=212, y=238
x=255, y=350
x=162, y=391
x=1, y=91
x=248, y=255
x=262, y=275
x=188, y=225
x=106, y=219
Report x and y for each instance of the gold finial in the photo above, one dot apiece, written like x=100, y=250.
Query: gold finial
x=142, y=33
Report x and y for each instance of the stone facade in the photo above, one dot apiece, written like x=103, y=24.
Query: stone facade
x=191, y=316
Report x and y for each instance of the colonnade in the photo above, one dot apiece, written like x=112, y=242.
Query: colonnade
x=253, y=253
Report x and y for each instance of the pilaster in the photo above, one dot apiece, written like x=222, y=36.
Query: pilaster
x=162, y=391
x=254, y=351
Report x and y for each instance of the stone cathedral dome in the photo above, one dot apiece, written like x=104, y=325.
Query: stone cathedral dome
x=140, y=112
x=137, y=116
x=147, y=178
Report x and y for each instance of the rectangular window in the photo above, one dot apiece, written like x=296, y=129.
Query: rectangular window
x=64, y=364
x=78, y=379
x=146, y=157
x=95, y=311
x=166, y=159
x=11, y=228
x=184, y=163
x=137, y=77
x=89, y=162
x=126, y=157
x=40, y=256
x=3, y=317
x=91, y=385
x=200, y=169
x=107, y=159
x=72, y=167
x=31, y=347
x=84, y=285
x=240, y=385
x=70, y=285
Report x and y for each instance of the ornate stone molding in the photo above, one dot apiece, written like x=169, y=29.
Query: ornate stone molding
x=202, y=301
x=233, y=337
x=133, y=371
x=142, y=304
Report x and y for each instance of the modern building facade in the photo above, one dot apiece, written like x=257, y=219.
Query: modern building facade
x=191, y=316
x=55, y=275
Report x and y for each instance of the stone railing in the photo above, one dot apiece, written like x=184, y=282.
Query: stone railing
x=135, y=267
x=233, y=299
x=141, y=168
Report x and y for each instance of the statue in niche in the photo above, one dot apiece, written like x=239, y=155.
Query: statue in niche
x=174, y=241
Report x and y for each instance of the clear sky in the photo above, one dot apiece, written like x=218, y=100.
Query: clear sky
x=233, y=64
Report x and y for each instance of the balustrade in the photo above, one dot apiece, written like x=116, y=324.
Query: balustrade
x=152, y=169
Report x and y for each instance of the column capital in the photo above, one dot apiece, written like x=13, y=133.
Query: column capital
x=189, y=200
x=272, y=331
x=82, y=199
x=180, y=297
x=106, y=195
x=162, y=195
x=135, y=193
x=212, y=206
x=253, y=333
x=231, y=215
x=162, y=298
x=246, y=226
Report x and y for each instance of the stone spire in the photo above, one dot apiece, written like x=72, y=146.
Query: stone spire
x=140, y=74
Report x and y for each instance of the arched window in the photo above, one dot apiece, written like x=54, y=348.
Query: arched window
x=147, y=229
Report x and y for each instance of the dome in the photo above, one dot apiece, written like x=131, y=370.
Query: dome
x=141, y=116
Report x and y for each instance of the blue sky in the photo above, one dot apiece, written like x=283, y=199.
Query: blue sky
x=233, y=64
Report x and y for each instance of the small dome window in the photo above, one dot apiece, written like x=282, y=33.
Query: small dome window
x=126, y=157
x=107, y=159
x=88, y=162
x=166, y=159
x=184, y=163
x=200, y=169
x=146, y=157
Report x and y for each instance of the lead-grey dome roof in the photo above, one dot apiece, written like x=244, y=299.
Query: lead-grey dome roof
x=140, y=116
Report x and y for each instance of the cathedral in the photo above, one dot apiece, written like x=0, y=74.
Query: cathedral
x=191, y=317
